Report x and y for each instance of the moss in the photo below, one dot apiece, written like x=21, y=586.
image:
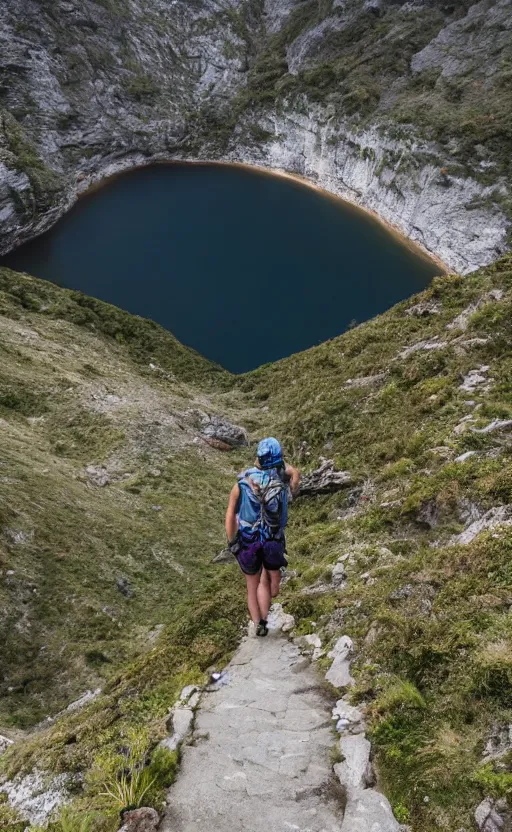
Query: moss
x=46, y=183
x=141, y=87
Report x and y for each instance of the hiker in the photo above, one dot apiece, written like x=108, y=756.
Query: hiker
x=255, y=521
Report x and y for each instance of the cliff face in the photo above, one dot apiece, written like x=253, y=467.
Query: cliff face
x=401, y=107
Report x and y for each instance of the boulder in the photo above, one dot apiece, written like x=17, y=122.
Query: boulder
x=339, y=671
x=97, y=475
x=5, y=742
x=368, y=811
x=492, y=815
x=476, y=379
x=179, y=722
x=279, y=620
x=352, y=771
x=140, y=820
x=349, y=720
x=338, y=575
x=497, y=516
x=223, y=435
x=324, y=480
x=423, y=309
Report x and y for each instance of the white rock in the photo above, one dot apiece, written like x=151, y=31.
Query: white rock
x=476, y=379
x=497, y=424
x=86, y=697
x=369, y=811
x=313, y=640
x=339, y=672
x=487, y=818
x=428, y=346
x=5, y=742
x=278, y=619
x=351, y=772
x=465, y=456
x=36, y=796
x=182, y=719
x=350, y=716
x=187, y=692
x=462, y=320
x=338, y=574
x=492, y=519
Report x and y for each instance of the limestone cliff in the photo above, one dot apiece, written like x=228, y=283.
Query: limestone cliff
x=401, y=107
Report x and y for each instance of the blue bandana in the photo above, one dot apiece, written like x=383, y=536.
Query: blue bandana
x=269, y=453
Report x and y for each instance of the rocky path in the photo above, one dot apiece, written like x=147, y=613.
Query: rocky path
x=259, y=758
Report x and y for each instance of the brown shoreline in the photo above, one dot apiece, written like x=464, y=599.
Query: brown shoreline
x=412, y=245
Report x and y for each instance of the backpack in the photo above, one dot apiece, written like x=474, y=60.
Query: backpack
x=263, y=505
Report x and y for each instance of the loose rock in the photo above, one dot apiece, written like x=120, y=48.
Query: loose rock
x=491, y=815
x=352, y=771
x=497, y=424
x=369, y=811
x=280, y=620
x=423, y=309
x=97, y=475
x=339, y=672
x=140, y=820
x=476, y=379
x=179, y=722
x=338, y=575
x=225, y=434
x=324, y=480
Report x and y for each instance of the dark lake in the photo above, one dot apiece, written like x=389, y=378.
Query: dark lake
x=243, y=266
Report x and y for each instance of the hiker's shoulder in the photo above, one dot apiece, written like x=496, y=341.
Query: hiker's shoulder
x=248, y=472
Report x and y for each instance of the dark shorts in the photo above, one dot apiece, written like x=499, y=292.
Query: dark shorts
x=268, y=554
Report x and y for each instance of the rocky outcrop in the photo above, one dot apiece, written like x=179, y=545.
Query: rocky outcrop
x=324, y=480
x=36, y=795
x=492, y=519
x=223, y=435
x=493, y=815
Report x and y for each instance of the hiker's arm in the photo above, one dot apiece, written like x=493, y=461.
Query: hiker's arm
x=294, y=476
x=231, y=521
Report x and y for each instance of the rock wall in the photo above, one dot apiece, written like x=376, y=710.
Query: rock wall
x=90, y=89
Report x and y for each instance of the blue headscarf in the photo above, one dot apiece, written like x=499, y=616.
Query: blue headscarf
x=270, y=454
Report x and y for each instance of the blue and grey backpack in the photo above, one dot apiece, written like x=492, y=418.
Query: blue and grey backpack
x=263, y=505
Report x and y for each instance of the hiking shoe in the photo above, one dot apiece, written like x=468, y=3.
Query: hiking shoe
x=251, y=629
x=262, y=628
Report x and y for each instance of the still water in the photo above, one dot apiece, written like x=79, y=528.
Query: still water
x=243, y=266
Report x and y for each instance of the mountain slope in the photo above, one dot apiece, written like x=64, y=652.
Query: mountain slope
x=415, y=404
x=109, y=503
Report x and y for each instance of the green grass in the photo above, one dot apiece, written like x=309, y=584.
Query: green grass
x=436, y=673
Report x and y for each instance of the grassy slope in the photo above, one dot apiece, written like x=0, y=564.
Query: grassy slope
x=434, y=662
x=83, y=383
x=77, y=389
x=435, y=659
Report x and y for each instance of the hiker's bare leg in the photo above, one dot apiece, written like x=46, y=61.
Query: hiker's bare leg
x=275, y=582
x=252, y=596
x=268, y=588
